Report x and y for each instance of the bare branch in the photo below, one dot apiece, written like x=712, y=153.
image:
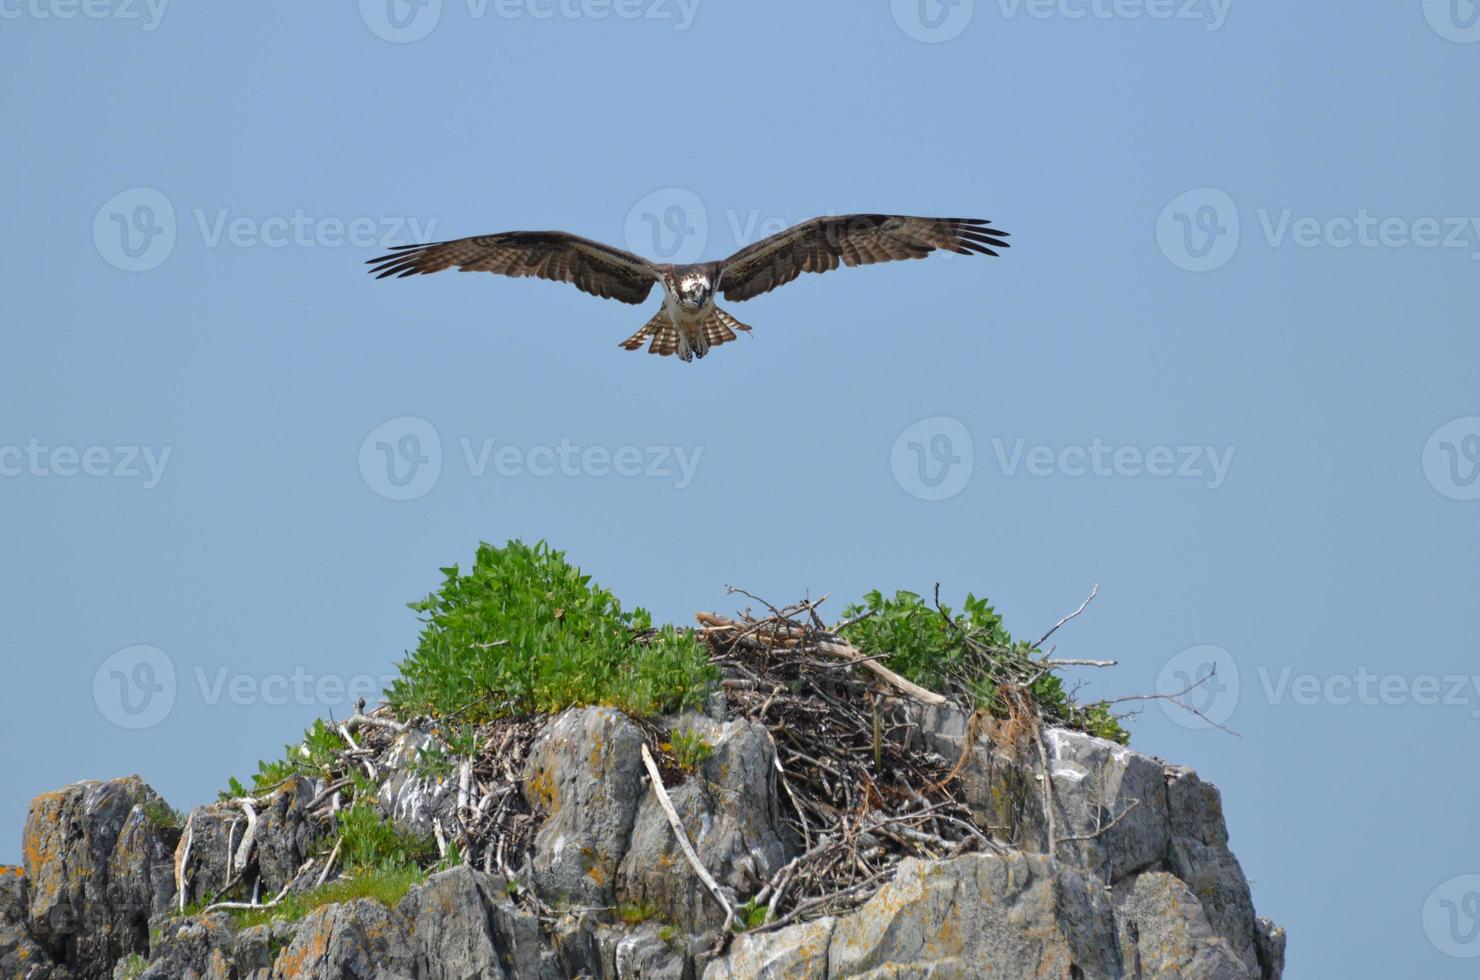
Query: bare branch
x=1044, y=638
x=688, y=849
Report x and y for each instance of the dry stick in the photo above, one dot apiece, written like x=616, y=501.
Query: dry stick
x=688, y=849
x=1175, y=699
x=248, y=837
x=329, y=791
x=231, y=847
x=1047, y=778
x=782, y=879
x=846, y=651
x=324, y=874
x=1121, y=816
x=812, y=903
x=184, y=859
x=260, y=906
x=1044, y=638
x=464, y=777
x=786, y=785
x=369, y=766
x=370, y=721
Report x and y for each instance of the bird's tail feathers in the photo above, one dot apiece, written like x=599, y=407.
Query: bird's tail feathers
x=660, y=328
x=717, y=327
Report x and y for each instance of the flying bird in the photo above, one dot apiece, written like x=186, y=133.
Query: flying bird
x=689, y=322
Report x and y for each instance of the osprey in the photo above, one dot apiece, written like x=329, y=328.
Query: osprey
x=689, y=323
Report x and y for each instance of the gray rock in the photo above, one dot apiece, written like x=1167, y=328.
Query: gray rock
x=643, y=954
x=1269, y=943
x=463, y=924
x=584, y=776
x=409, y=796
x=359, y=940
x=796, y=953
x=99, y=865
x=196, y=947
x=1164, y=933
x=980, y=914
x=286, y=836
x=458, y=925
x=20, y=955
x=1177, y=826
x=1142, y=885
x=1114, y=799
x=729, y=810
x=972, y=916
x=1097, y=784
x=1198, y=854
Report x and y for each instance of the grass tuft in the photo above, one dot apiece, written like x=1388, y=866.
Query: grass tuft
x=386, y=886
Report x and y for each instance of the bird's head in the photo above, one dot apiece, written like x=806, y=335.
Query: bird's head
x=694, y=292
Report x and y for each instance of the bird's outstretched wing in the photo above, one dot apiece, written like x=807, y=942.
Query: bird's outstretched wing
x=591, y=266
x=854, y=239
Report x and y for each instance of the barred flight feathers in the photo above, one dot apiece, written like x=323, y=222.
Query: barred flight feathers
x=852, y=239
x=590, y=266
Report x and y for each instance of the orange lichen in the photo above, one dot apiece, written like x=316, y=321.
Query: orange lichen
x=542, y=790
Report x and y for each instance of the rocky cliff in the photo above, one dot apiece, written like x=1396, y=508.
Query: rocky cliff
x=1119, y=867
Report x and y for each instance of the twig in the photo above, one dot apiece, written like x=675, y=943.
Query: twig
x=1044, y=638
x=1119, y=817
x=840, y=648
x=849, y=652
x=1047, y=778
x=184, y=859
x=786, y=785
x=329, y=863
x=256, y=906
x=248, y=838
x=370, y=721
x=656, y=778
x=1176, y=699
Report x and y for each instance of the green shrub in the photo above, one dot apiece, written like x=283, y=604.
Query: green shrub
x=318, y=751
x=162, y=815
x=751, y=915
x=523, y=630
x=969, y=653
x=636, y=913
x=368, y=842
x=689, y=749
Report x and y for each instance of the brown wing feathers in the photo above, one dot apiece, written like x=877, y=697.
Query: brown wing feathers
x=590, y=266
x=821, y=244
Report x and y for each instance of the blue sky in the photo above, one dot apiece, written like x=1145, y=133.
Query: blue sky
x=1228, y=372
